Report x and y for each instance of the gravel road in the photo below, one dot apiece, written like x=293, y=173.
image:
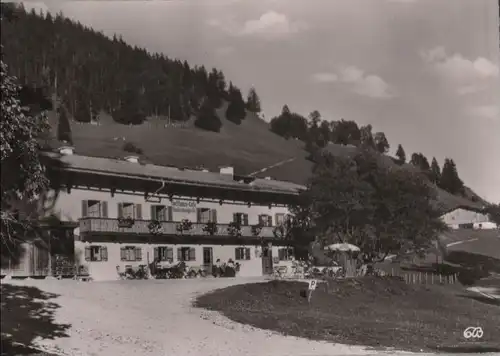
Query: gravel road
x=133, y=318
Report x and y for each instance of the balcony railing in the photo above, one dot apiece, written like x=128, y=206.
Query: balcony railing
x=91, y=224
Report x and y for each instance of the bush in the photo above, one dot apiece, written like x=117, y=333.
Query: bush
x=130, y=147
x=469, y=277
x=207, y=119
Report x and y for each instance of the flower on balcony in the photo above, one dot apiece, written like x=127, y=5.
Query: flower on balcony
x=184, y=225
x=210, y=228
x=127, y=222
x=256, y=229
x=155, y=227
x=234, y=229
x=280, y=231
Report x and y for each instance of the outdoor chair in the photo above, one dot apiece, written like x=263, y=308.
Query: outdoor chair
x=280, y=271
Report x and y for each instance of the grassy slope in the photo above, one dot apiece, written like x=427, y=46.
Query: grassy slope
x=248, y=147
x=368, y=311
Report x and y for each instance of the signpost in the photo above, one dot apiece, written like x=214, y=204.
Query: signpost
x=313, y=283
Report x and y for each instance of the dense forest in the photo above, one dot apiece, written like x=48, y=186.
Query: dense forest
x=91, y=73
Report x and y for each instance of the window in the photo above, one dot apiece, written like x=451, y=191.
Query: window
x=164, y=253
x=94, y=208
x=186, y=254
x=241, y=218
x=130, y=210
x=96, y=253
x=161, y=213
x=205, y=215
x=280, y=219
x=285, y=254
x=266, y=220
x=242, y=253
x=131, y=253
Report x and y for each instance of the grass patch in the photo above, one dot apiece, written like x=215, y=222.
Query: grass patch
x=371, y=311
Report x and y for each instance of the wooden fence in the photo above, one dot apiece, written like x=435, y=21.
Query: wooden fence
x=412, y=277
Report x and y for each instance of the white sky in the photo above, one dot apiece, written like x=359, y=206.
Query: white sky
x=426, y=72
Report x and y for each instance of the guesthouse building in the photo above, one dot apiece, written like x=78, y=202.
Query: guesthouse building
x=130, y=213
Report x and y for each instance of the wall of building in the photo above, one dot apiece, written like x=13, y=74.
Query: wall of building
x=106, y=270
x=463, y=216
x=68, y=206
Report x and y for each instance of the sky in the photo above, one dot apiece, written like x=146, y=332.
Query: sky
x=425, y=72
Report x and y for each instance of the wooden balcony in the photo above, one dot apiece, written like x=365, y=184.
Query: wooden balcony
x=138, y=227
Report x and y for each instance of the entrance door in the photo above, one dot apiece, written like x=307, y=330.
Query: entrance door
x=208, y=259
x=267, y=260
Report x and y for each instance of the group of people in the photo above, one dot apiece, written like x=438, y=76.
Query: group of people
x=227, y=269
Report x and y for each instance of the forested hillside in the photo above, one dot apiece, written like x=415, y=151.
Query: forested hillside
x=129, y=95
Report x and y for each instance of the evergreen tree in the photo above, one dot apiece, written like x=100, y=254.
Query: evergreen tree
x=346, y=132
x=450, y=181
x=64, y=127
x=435, y=171
x=381, y=143
x=420, y=161
x=235, y=111
x=253, y=101
x=367, y=140
x=207, y=118
x=400, y=153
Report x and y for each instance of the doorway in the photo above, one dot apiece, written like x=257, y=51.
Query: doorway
x=267, y=260
x=208, y=259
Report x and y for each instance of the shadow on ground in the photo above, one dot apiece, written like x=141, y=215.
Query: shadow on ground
x=27, y=313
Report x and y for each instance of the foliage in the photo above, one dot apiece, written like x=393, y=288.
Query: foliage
x=400, y=153
x=493, y=211
x=91, y=73
x=420, y=161
x=64, y=127
x=132, y=148
x=210, y=228
x=207, y=119
x=234, y=229
x=450, y=181
x=383, y=211
x=184, y=225
x=367, y=140
x=253, y=101
x=435, y=174
x=289, y=125
x=23, y=177
x=236, y=109
x=381, y=143
x=256, y=229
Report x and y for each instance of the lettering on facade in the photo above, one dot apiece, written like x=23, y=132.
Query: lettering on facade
x=184, y=206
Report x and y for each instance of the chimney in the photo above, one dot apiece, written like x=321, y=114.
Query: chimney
x=227, y=170
x=132, y=159
x=66, y=150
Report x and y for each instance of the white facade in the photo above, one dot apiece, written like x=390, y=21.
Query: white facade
x=463, y=218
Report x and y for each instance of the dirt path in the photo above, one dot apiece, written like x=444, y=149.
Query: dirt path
x=156, y=318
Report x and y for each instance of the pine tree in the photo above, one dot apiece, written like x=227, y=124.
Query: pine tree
x=235, y=111
x=381, y=143
x=400, y=153
x=435, y=171
x=450, y=181
x=64, y=127
x=253, y=101
x=207, y=118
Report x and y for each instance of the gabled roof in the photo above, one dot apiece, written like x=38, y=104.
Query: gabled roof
x=124, y=168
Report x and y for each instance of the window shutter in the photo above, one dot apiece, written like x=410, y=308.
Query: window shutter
x=179, y=254
x=138, y=254
x=237, y=253
x=170, y=253
x=153, y=213
x=245, y=220
x=198, y=215
x=123, y=254
x=120, y=210
x=138, y=212
x=247, y=253
x=213, y=218
x=269, y=220
x=235, y=217
x=87, y=253
x=85, y=208
x=156, y=252
x=170, y=215
x=192, y=254
x=104, y=209
x=104, y=253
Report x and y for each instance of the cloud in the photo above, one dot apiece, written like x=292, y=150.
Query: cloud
x=361, y=83
x=466, y=75
x=224, y=51
x=270, y=25
x=485, y=111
